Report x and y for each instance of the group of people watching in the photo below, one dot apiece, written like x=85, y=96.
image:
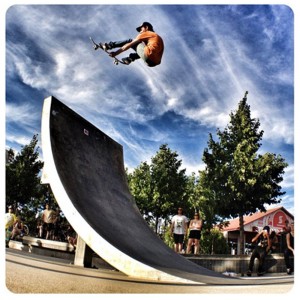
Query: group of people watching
x=48, y=226
x=179, y=228
x=265, y=242
x=49, y=223
x=13, y=225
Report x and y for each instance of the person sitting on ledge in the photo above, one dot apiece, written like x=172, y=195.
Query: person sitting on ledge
x=263, y=245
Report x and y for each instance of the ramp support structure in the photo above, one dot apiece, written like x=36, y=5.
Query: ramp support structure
x=83, y=255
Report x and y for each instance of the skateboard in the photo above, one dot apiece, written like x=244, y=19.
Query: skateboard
x=96, y=47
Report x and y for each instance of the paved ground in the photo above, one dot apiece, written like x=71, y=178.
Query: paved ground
x=28, y=273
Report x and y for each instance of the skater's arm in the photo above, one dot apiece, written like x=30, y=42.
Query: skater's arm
x=124, y=48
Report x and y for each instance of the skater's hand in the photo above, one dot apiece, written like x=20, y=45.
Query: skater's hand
x=112, y=54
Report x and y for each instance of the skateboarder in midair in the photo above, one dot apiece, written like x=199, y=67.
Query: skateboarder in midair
x=148, y=46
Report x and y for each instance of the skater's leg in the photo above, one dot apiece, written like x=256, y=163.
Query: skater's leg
x=137, y=55
x=141, y=53
x=118, y=44
x=132, y=57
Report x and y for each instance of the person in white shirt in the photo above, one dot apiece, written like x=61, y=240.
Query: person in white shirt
x=48, y=217
x=10, y=219
x=179, y=230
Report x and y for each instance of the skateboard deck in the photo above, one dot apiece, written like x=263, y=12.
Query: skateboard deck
x=116, y=60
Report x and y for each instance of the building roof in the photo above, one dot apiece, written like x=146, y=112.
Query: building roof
x=234, y=223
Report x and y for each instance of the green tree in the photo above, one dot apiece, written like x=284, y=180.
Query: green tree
x=193, y=199
x=141, y=189
x=204, y=199
x=23, y=174
x=168, y=183
x=159, y=188
x=240, y=180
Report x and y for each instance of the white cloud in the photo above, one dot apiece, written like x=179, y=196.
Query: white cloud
x=215, y=81
x=24, y=115
x=207, y=66
x=18, y=139
x=288, y=178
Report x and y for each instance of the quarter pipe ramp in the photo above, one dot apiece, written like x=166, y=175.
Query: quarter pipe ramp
x=85, y=170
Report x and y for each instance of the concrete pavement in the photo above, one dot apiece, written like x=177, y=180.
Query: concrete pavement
x=35, y=274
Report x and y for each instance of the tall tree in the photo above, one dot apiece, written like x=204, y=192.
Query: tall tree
x=241, y=180
x=23, y=174
x=159, y=188
x=204, y=199
x=141, y=189
x=168, y=183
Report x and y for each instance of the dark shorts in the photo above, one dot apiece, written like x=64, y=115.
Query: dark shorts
x=48, y=226
x=195, y=234
x=178, y=238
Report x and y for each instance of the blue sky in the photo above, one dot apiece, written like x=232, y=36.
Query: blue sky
x=213, y=54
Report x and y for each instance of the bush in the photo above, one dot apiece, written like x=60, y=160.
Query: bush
x=213, y=242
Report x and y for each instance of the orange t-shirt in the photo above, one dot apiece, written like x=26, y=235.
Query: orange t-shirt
x=154, y=46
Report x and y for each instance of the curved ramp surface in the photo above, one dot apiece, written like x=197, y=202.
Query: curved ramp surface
x=85, y=170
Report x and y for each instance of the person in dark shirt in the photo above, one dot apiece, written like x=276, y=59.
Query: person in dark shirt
x=289, y=251
x=263, y=245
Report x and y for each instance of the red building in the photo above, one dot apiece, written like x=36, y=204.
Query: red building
x=275, y=218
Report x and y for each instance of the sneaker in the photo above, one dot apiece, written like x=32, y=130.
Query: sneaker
x=249, y=273
x=289, y=271
x=105, y=46
x=260, y=273
x=126, y=60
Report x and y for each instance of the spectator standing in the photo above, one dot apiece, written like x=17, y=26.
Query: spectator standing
x=195, y=234
x=179, y=230
x=289, y=251
x=287, y=228
x=48, y=217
